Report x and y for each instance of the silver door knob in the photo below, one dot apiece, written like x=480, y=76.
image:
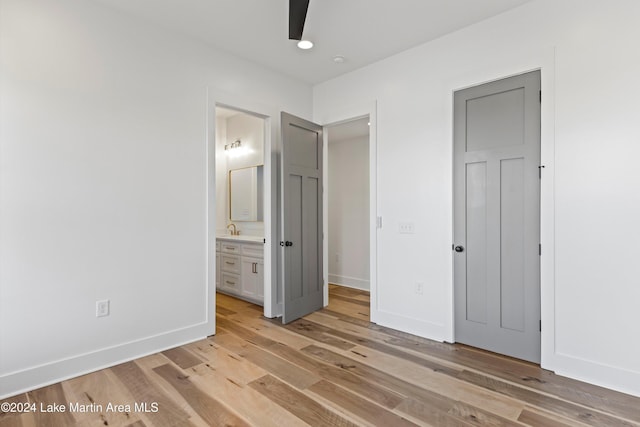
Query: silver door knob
x=459, y=249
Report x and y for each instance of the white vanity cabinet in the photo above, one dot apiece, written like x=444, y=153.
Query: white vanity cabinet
x=240, y=268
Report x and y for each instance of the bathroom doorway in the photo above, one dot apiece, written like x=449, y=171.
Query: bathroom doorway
x=242, y=204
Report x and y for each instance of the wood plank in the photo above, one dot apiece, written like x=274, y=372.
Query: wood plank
x=477, y=417
x=307, y=325
x=364, y=373
x=317, y=333
x=48, y=397
x=444, y=386
x=404, y=345
x=4, y=416
x=537, y=419
x=294, y=375
x=357, y=405
x=94, y=392
x=208, y=408
x=143, y=390
x=346, y=379
x=182, y=357
x=348, y=292
x=434, y=413
x=350, y=300
x=426, y=386
x=512, y=370
x=549, y=403
x=17, y=419
x=298, y=403
x=357, y=311
x=224, y=311
x=236, y=370
x=255, y=407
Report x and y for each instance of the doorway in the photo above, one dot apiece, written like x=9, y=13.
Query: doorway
x=497, y=216
x=303, y=165
x=242, y=204
x=348, y=202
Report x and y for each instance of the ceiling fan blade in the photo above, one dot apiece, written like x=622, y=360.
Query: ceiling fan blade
x=297, y=16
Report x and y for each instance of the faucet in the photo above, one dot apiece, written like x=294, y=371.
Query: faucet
x=235, y=231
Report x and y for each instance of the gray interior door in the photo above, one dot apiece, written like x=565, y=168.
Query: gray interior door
x=497, y=216
x=301, y=245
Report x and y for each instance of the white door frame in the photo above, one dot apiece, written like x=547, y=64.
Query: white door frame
x=335, y=117
x=271, y=117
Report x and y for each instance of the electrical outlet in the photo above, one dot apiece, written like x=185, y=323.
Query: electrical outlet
x=419, y=288
x=406, y=227
x=102, y=308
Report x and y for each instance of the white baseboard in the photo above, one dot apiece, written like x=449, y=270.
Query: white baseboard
x=15, y=383
x=611, y=377
x=429, y=330
x=350, y=282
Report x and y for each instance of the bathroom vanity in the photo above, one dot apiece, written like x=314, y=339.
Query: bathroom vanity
x=240, y=267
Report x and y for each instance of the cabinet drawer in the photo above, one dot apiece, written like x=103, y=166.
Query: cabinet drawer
x=231, y=282
x=230, y=248
x=252, y=250
x=230, y=263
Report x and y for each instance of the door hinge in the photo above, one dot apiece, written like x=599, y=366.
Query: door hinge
x=540, y=95
x=539, y=248
x=540, y=171
x=379, y=222
x=540, y=325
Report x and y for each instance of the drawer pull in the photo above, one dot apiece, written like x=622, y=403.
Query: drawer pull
x=230, y=263
x=231, y=248
x=230, y=283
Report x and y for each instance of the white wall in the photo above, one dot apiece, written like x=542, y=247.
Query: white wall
x=587, y=51
x=348, y=170
x=103, y=184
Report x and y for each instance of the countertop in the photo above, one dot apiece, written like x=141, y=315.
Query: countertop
x=241, y=238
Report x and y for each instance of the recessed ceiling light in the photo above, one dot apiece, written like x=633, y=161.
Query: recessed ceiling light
x=305, y=44
x=338, y=59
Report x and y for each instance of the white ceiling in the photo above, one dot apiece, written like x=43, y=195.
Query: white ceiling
x=363, y=31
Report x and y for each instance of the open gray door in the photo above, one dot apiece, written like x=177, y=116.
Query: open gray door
x=301, y=244
x=497, y=216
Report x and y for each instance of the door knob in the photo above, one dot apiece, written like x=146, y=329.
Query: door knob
x=288, y=243
x=459, y=249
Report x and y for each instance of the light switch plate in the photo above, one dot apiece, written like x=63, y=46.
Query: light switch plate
x=406, y=228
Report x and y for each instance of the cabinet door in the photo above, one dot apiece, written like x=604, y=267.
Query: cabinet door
x=231, y=282
x=253, y=277
x=230, y=263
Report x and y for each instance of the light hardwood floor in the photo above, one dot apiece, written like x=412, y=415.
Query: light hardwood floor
x=331, y=368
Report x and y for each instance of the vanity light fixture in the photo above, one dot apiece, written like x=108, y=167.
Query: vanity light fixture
x=234, y=145
x=236, y=149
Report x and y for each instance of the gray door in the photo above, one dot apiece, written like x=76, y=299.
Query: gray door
x=497, y=216
x=301, y=245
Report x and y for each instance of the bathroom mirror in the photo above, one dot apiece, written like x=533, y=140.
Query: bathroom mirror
x=245, y=194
